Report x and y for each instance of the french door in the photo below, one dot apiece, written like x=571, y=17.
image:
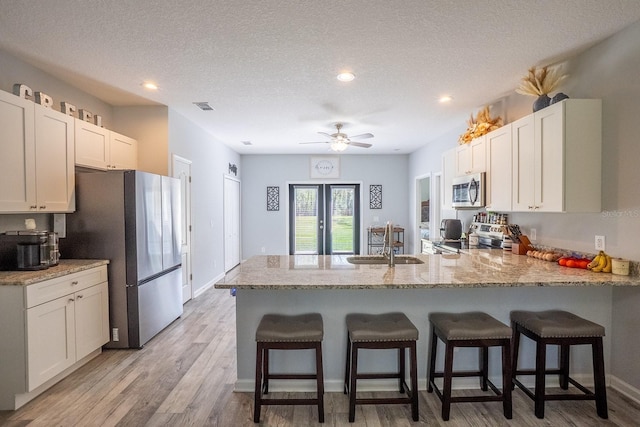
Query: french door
x=324, y=219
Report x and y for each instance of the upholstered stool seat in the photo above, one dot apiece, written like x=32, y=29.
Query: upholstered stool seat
x=557, y=327
x=381, y=331
x=472, y=329
x=288, y=332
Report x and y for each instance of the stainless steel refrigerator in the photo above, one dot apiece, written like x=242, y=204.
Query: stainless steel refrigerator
x=131, y=218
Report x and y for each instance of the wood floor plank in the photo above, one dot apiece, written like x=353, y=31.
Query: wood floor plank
x=186, y=375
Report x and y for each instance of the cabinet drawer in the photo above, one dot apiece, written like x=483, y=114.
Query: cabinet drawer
x=42, y=292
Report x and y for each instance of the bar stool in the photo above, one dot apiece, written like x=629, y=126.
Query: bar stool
x=557, y=327
x=473, y=329
x=381, y=331
x=282, y=332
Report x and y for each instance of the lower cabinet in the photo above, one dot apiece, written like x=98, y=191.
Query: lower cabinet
x=51, y=326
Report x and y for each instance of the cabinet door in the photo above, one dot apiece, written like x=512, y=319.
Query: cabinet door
x=463, y=160
x=54, y=135
x=499, y=174
x=549, y=159
x=17, y=154
x=92, y=145
x=448, y=172
x=92, y=319
x=478, y=153
x=124, y=152
x=522, y=145
x=50, y=340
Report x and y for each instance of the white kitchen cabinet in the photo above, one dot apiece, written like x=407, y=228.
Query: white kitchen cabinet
x=36, y=157
x=123, y=151
x=471, y=158
x=499, y=173
x=55, y=178
x=17, y=154
x=48, y=329
x=448, y=173
x=556, y=156
x=100, y=148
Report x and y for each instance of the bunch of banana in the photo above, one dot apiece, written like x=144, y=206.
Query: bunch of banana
x=601, y=263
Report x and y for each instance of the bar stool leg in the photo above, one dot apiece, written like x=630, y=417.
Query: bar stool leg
x=598, y=378
x=515, y=346
x=432, y=360
x=352, y=385
x=541, y=367
x=320, y=382
x=484, y=367
x=564, y=367
x=347, y=369
x=257, y=402
x=507, y=405
x=413, y=371
x=265, y=370
x=402, y=369
x=448, y=374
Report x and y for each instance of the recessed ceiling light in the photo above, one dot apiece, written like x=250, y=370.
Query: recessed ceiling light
x=446, y=98
x=150, y=85
x=346, y=76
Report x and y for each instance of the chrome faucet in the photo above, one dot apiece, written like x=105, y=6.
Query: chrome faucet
x=387, y=244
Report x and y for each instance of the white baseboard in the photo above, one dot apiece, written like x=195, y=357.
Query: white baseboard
x=208, y=286
x=625, y=388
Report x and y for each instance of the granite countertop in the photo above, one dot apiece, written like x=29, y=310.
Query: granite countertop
x=475, y=268
x=66, y=266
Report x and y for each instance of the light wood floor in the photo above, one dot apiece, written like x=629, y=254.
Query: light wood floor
x=185, y=377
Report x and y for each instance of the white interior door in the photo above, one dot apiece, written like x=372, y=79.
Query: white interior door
x=182, y=169
x=231, y=223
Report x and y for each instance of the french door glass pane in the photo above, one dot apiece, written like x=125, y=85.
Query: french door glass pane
x=342, y=219
x=306, y=220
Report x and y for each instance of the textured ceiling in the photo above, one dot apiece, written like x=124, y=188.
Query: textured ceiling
x=268, y=67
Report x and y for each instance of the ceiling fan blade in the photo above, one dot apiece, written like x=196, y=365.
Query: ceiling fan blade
x=362, y=136
x=325, y=134
x=360, y=144
x=315, y=142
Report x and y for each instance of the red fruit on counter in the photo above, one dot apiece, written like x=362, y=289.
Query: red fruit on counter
x=571, y=263
x=563, y=261
x=583, y=263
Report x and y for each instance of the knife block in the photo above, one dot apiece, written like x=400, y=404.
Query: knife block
x=522, y=246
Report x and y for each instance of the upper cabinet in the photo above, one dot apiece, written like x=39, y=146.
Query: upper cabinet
x=100, y=148
x=36, y=157
x=556, y=154
x=471, y=158
x=499, y=175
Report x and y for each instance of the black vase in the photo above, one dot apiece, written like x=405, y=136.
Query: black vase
x=558, y=97
x=542, y=102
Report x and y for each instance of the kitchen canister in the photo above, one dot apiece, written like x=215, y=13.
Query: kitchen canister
x=620, y=266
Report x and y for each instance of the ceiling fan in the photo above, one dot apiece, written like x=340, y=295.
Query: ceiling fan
x=340, y=141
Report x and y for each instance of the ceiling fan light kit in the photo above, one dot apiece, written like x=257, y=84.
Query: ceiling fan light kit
x=340, y=141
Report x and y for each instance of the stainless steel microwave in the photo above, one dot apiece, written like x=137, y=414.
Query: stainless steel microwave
x=468, y=191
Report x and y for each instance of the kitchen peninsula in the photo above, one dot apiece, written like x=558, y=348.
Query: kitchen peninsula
x=493, y=281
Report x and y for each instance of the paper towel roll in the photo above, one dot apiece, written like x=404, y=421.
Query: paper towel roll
x=620, y=266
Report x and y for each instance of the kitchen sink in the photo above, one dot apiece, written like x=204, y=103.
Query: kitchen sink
x=399, y=259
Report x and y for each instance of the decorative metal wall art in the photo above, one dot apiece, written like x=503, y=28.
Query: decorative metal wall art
x=233, y=168
x=273, y=198
x=375, y=196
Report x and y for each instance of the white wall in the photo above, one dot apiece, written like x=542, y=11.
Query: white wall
x=262, y=228
x=608, y=71
x=211, y=161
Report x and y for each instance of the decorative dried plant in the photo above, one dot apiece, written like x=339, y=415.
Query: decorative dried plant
x=540, y=81
x=481, y=125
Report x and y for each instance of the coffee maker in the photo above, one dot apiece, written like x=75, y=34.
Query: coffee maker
x=28, y=250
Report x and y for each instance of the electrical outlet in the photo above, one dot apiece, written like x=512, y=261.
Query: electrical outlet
x=599, y=243
x=115, y=334
x=533, y=234
x=263, y=249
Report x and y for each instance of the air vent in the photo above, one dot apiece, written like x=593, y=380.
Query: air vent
x=204, y=106
x=247, y=142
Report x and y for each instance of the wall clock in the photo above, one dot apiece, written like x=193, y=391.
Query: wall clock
x=325, y=167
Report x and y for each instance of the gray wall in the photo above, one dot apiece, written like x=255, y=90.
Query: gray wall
x=608, y=71
x=211, y=161
x=262, y=228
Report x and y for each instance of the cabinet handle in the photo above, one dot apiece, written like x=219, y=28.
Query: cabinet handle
x=33, y=207
x=530, y=207
x=79, y=296
x=43, y=207
x=71, y=300
x=75, y=282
